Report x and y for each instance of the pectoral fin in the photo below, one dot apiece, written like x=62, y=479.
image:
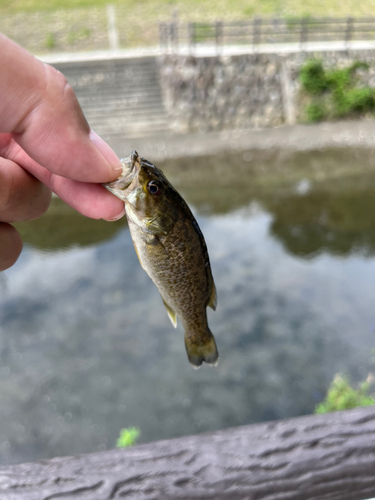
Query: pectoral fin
x=136, y=251
x=213, y=299
x=171, y=313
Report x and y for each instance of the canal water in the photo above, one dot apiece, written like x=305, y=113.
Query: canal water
x=86, y=347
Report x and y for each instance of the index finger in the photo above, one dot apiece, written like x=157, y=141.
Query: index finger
x=39, y=108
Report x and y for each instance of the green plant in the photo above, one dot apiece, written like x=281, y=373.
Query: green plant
x=315, y=112
x=74, y=35
x=50, y=41
x=313, y=77
x=204, y=32
x=248, y=11
x=334, y=91
x=128, y=437
x=341, y=396
x=293, y=23
x=355, y=101
x=71, y=38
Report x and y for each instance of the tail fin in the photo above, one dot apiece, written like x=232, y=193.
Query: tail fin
x=201, y=349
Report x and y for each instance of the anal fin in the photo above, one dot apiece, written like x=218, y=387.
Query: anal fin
x=171, y=313
x=213, y=299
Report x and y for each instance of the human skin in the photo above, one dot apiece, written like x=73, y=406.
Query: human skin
x=46, y=145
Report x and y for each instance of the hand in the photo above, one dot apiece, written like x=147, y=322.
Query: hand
x=46, y=144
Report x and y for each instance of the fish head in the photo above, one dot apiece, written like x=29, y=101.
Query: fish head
x=151, y=202
x=130, y=169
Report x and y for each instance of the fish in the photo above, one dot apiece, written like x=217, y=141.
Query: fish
x=171, y=249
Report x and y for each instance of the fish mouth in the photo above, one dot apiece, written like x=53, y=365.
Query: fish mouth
x=129, y=172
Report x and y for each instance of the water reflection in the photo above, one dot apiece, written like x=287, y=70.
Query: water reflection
x=63, y=228
x=317, y=204
x=86, y=347
x=339, y=223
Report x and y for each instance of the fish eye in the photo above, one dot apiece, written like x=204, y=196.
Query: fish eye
x=154, y=187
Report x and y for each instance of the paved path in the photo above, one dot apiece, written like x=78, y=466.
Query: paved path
x=208, y=50
x=298, y=137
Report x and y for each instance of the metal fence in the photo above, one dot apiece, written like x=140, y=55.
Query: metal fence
x=79, y=30
x=259, y=31
x=111, y=28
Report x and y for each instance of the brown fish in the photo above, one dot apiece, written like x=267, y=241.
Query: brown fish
x=171, y=249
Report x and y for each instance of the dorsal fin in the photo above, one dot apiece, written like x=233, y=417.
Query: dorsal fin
x=212, y=289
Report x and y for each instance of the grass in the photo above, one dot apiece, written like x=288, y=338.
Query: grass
x=203, y=10
x=81, y=25
x=50, y=41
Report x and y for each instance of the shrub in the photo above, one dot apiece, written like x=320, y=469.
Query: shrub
x=341, y=396
x=334, y=92
x=312, y=77
x=315, y=112
x=128, y=437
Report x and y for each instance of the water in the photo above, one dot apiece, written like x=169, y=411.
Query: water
x=86, y=347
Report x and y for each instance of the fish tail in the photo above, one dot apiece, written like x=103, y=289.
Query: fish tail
x=201, y=349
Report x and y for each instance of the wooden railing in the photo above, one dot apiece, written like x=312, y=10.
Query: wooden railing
x=330, y=457
x=259, y=31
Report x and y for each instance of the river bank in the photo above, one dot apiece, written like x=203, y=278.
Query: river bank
x=343, y=134
x=87, y=348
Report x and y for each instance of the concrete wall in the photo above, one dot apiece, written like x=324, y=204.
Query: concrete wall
x=243, y=91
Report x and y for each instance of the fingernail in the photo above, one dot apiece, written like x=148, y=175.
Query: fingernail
x=107, y=152
x=117, y=217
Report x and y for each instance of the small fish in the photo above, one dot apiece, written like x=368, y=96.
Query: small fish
x=171, y=249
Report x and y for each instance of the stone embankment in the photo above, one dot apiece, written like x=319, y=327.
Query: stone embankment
x=250, y=91
x=215, y=93
x=131, y=97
